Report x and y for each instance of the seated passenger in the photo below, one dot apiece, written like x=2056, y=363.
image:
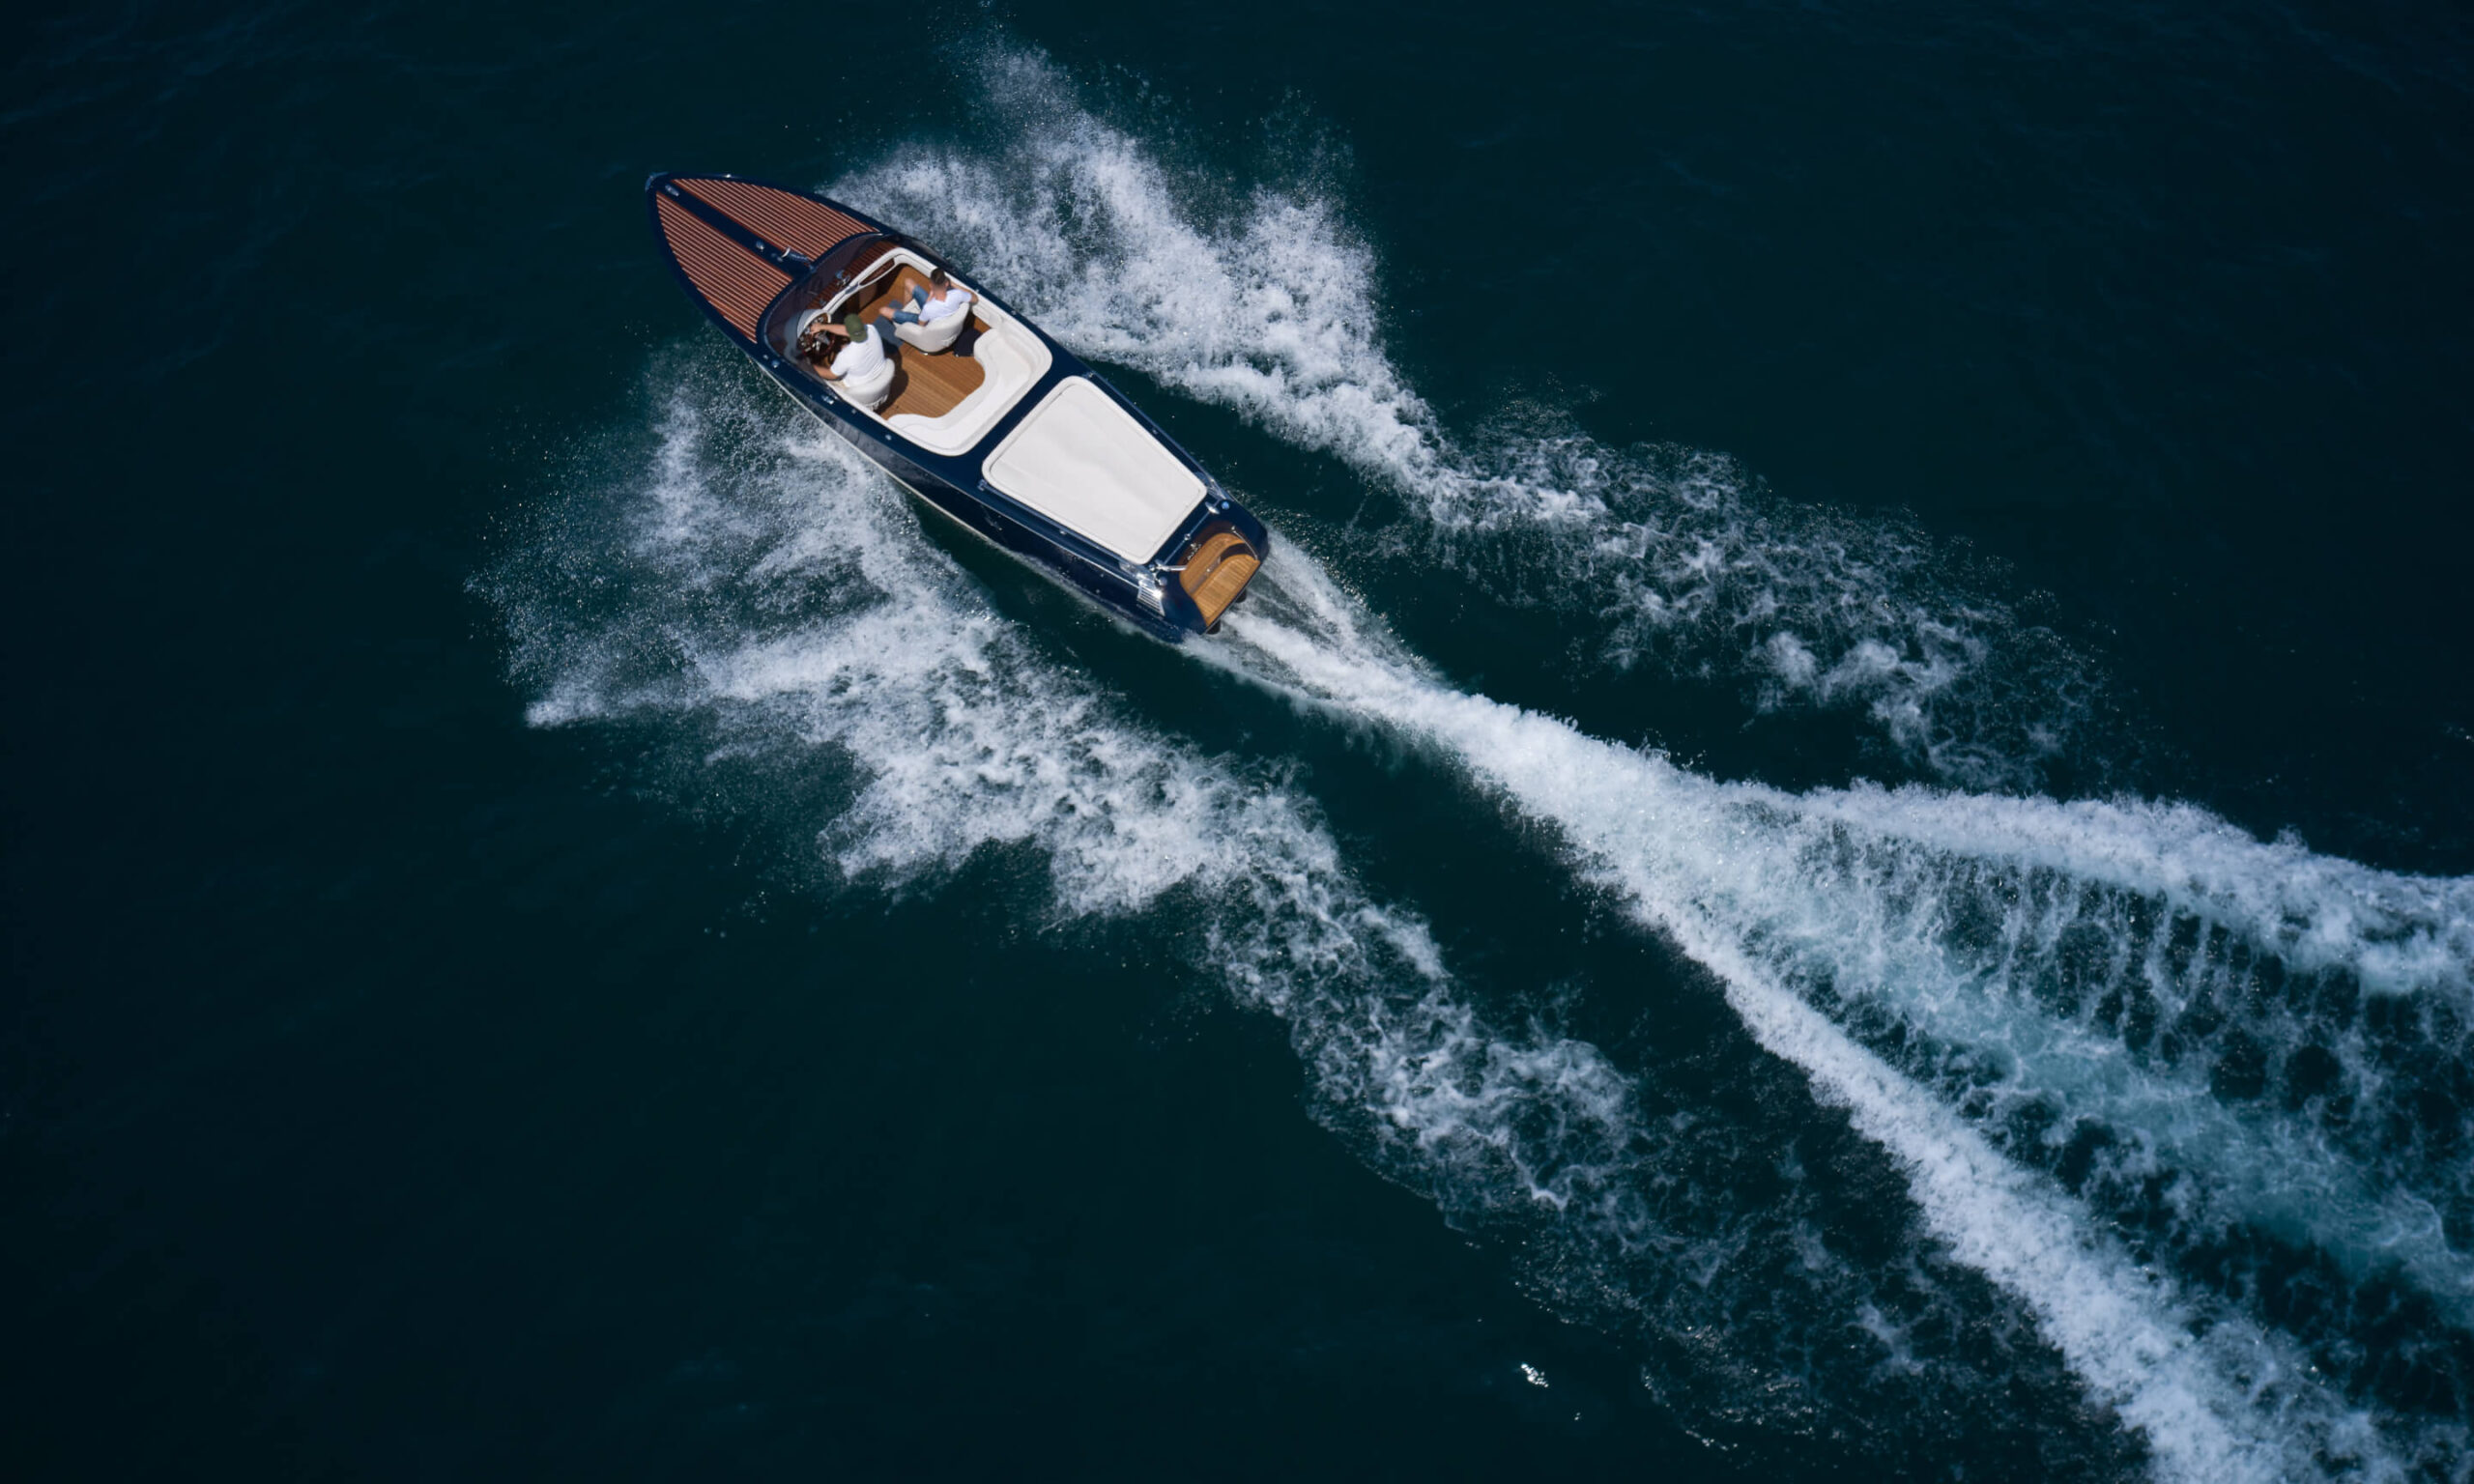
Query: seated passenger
x=937, y=315
x=864, y=361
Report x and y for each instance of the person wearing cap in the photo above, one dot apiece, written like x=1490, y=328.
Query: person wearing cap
x=866, y=347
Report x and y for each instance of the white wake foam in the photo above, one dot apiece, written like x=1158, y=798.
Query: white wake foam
x=2269, y=1026
x=1770, y=893
x=2395, y=932
x=1268, y=304
x=767, y=605
x=781, y=607
x=1948, y=918
x=774, y=597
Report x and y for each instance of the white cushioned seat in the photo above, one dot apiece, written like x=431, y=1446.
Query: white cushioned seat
x=868, y=390
x=935, y=338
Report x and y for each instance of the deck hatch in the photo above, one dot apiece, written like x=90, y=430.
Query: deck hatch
x=1083, y=462
x=733, y=280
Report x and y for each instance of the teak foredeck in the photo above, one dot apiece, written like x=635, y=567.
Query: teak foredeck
x=732, y=279
x=806, y=227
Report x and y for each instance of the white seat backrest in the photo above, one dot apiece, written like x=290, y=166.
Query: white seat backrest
x=936, y=337
x=868, y=389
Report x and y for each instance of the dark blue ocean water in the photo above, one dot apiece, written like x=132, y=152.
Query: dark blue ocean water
x=1840, y=844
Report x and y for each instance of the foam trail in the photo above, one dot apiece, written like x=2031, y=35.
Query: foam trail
x=1267, y=304
x=2396, y=933
x=2138, y=965
x=2217, y=1396
x=1264, y=304
x=764, y=615
x=2273, y=1027
x=775, y=606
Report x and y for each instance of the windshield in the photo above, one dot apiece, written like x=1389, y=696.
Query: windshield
x=831, y=274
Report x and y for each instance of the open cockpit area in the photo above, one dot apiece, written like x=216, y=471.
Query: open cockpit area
x=926, y=385
x=943, y=400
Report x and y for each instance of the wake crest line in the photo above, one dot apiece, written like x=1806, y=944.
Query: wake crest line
x=1265, y=306
x=763, y=621
x=2217, y=1395
x=1268, y=304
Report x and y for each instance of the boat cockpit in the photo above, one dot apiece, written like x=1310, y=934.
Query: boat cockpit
x=942, y=400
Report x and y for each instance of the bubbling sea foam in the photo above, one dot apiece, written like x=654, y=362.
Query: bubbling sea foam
x=769, y=600
x=1269, y=305
x=2212, y=1040
x=751, y=604
x=2191, y=1100
x=1904, y=949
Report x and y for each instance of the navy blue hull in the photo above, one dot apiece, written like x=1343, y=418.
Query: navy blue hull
x=747, y=279
x=985, y=511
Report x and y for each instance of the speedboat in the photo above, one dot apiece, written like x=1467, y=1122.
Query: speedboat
x=998, y=426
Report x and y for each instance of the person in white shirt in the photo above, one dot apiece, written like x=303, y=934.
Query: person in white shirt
x=864, y=348
x=940, y=300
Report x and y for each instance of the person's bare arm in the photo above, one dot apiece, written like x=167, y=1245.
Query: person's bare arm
x=825, y=364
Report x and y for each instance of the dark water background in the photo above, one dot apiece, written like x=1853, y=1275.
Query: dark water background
x=395, y=1087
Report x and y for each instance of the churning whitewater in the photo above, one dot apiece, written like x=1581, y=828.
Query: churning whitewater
x=2180, y=1114
x=1265, y=302
x=766, y=617
x=1794, y=908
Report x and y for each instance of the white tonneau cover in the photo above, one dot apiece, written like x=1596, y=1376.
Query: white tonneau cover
x=1084, y=462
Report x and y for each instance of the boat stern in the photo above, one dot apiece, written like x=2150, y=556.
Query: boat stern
x=1211, y=567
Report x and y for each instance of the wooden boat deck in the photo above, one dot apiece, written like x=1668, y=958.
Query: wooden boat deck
x=928, y=383
x=735, y=282
x=1220, y=568
x=808, y=228
x=732, y=279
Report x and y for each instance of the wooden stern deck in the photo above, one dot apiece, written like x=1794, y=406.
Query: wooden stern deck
x=1220, y=568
